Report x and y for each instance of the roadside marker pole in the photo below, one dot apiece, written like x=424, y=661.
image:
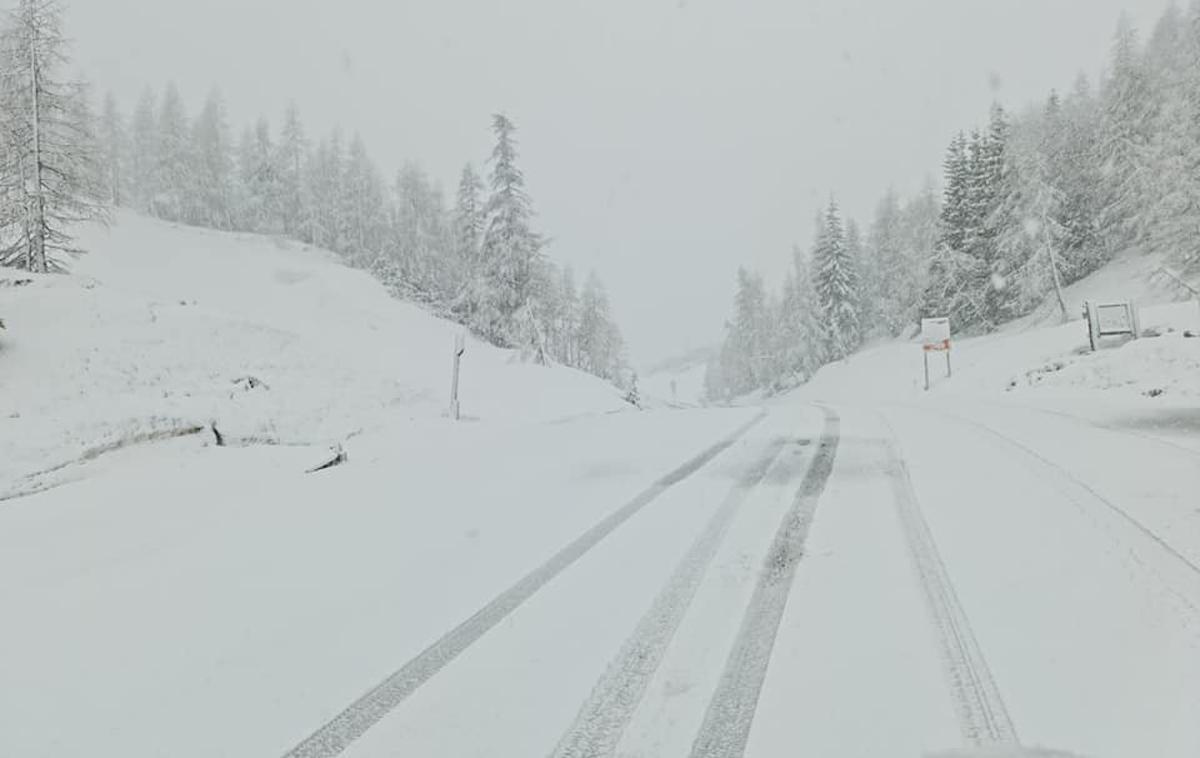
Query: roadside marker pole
x=935, y=335
x=460, y=346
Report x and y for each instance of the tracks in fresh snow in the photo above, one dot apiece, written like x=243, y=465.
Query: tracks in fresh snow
x=726, y=725
x=336, y=735
x=983, y=717
x=1177, y=573
x=605, y=715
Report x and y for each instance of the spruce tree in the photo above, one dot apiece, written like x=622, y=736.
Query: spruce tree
x=50, y=178
x=1128, y=112
x=173, y=176
x=363, y=206
x=510, y=251
x=213, y=170
x=291, y=150
x=836, y=281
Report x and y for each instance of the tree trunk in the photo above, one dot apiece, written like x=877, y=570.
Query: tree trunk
x=1058, y=293
x=37, y=225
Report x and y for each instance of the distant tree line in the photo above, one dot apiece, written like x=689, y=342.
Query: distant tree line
x=479, y=261
x=1028, y=204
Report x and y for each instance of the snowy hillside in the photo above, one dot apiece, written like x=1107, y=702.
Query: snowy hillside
x=1038, y=360
x=162, y=329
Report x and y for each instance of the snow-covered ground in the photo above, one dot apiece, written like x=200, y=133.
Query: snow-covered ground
x=159, y=327
x=1006, y=565
x=678, y=386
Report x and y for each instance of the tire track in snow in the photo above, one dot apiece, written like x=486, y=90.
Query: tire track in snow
x=336, y=735
x=1184, y=586
x=606, y=713
x=983, y=717
x=726, y=726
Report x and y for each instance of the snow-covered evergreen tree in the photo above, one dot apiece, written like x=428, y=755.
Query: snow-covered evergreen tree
x=292, y=148
x=599, y=343
x=467, y=229
x=1171, y=215
x=954, y=274
x=567, y=329
x=259, y=175
x=1030, y=237
x=510, y=252
x=1075, y=163
x=468, y=218
x=213, y=171
x=836, y=281
x=173, y=176
x=1127, y=118
x=363, y=206
x=50, y=158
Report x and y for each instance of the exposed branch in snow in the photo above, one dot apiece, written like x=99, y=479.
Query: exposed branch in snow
x=338, y=459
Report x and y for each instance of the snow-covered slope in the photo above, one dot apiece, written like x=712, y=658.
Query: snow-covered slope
x=1041, y=360
x=160, y=328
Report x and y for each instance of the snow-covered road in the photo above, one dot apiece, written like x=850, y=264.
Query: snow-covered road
x=833, y=580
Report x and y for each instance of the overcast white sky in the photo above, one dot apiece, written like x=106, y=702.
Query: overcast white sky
x=665, y=141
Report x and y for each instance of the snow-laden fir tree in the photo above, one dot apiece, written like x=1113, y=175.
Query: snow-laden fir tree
x=468, y=216
x=1127, y=118
x=362, y=205
x=1074, y=161
x=748, y=334
x=291, y=150
x=854, y=254
x=836, y=281
x=566, y=349
x=1171, y=215
x=599, y=342
x=213, y=169
x=510, y=252
x=258, y=171
x=1029, y=238
x=951, y=287
x=50, y=163
x=802, y=338
x=919, y=235
x=173, y=155
x=880, y=255
x=467, y=228
x=418, y=227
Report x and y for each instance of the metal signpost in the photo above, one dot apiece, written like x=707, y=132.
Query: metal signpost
x=460, y=347
x=935, y=336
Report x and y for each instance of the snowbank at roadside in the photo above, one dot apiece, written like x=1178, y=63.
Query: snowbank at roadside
x=161, y=328
x=1039, y=356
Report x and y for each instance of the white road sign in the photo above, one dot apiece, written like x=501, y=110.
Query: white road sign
x=935, y=333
